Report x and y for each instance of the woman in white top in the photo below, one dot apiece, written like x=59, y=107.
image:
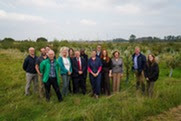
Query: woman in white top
x=65, y=69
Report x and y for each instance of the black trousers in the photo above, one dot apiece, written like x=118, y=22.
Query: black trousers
x=79, y=82
x=105, y=83
x=53, y=82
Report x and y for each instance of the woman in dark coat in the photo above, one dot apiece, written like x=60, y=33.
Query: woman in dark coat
x=106, y=70
x=151, y=74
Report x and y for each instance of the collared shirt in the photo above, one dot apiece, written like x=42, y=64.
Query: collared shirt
x=136, y=61
x=79, y=62
x=52, y=69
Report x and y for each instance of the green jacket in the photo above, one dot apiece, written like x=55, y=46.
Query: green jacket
x=62, y=67
x=45, y=70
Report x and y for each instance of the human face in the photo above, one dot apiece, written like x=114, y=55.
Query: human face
x=77, y=54
x=51, y=55
x=32, y=51
x=116, y=55
x=98, y=48
x=43, y=51
x=47, y=49
x=93, y=54
x=71, y=52
x=104, y=53
x=64, y=53
x=150, y=58
x=137, y=51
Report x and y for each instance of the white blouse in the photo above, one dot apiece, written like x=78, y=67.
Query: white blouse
x=66, y=63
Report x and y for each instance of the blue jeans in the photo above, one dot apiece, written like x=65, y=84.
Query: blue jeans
x=65, y=88
x=96, y=83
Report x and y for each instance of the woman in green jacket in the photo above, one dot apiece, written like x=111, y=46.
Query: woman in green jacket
x=49, y=69
x=66, y=69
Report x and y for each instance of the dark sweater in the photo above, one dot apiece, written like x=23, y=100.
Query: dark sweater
x=106, y=66
x=29, y=64
x=152, y=71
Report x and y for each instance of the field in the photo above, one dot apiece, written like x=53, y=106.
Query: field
x=127, y=105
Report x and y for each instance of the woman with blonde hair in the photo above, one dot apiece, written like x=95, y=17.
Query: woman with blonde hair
x=65, y=69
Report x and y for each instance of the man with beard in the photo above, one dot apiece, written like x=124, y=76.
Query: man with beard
x=37, y=67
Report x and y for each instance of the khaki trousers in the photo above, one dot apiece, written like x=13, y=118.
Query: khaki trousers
x=116, y=81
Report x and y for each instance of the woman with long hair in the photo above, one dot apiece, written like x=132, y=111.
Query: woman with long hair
x=106, y=70
x=151, y=74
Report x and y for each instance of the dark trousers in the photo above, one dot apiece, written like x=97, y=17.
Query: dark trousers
x=150, y=88
x=96, y=83
x=105, y=82
x=53, y=82
x=70, y=87
x=79, y=82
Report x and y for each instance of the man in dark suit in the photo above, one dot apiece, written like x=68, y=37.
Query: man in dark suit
x=79, y=67
x=98, y=53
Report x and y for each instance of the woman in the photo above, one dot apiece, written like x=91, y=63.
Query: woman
x=151, y=74
x=106, y=70
x=117, y=70
x=65, y=69
x=94, y=69
x=71, y=55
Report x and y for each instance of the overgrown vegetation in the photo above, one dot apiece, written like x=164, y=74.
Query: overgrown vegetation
x=127, y=105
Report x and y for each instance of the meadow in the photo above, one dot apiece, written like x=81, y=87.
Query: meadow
x=127, y=105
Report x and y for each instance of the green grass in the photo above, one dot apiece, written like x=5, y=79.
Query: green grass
x=128, y=105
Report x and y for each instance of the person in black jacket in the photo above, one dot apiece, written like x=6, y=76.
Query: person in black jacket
x=85, y=57
x=98, y=52
x=106, y=72
x=139, y=62
x=71, y=55
x=151, y=74
x=78, y=75
x=31, y=74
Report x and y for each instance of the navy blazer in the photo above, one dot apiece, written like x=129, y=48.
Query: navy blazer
x=141, y=62
x=75, y=67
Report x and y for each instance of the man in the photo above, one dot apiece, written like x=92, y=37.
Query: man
x=31, y=74
x=47, y=49
x=98, y=54
x=49, y=68
x=79, y=68
x=139, y=62
x=37, y=66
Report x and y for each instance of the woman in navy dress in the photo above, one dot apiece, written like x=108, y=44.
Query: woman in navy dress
x=94, y=69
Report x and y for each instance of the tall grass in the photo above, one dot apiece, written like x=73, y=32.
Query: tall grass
x=127, y=105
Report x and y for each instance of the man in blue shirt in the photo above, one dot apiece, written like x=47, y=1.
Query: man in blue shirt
x=139, y=62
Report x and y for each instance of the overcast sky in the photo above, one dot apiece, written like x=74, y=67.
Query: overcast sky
x=89, y=19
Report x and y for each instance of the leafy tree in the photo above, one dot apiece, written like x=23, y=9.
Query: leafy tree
x=132, y=38
x=7, y=43
x=41, y=39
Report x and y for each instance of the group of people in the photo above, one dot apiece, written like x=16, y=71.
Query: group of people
x=73, y=66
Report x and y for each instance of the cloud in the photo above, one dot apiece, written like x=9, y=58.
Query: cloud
x=41, y=3
x=88, y=22
x=20, y=17
x=128, y=9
